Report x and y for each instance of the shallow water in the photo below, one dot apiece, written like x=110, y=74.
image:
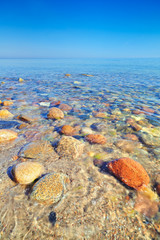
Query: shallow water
x=95, y=205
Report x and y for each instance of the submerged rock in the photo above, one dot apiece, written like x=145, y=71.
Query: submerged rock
x=128, y=145
x=96, y=138
x=7, y=103
x=70, y=147
x=68, y=130
x=65, y=107
x=50, y=188
x=36, y=149
x=7, y=135
x=27, y=172
x=4, y=113
x=130, y=172
x=149, y=139
x=55, y=113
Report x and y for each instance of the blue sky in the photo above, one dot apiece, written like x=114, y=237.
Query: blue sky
x=107, y=29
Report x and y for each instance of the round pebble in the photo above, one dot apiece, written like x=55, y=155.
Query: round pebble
x=27, y=172
x=96, y=138
x=55, y=113
x=49, y=189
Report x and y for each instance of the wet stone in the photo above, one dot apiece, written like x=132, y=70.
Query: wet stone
x=100, y=127
x=149, y=139
x=50, y=188
x=7, y=135
x=55, y=113
x=96, y=139
x=70, y=147
x=128, y=145
x=27, y=172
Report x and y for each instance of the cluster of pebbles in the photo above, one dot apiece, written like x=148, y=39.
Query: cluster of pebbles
x=118, y=152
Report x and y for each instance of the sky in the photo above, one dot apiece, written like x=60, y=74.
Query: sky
x=79, y=29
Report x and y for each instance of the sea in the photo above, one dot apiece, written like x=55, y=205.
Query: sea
x=116, y=98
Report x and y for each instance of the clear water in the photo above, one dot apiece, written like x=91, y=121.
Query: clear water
x=94, y=199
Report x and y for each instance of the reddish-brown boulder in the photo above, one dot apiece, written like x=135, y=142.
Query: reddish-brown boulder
x=130, y=172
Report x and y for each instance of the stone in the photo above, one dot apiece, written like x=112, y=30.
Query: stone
x=67, y=75
x=70, y=147
x=7, y=103
x=149, y=139
x=96, y=139
x=4, y=113
x=129, y=172
x=27, y=172
x=25, y=118
x=68, y=130
x=7, y=135
x=50, y=188
x=128, y=145
x=55, y=113
x=65, y=107
x=100, y=115
x=86, y=130
x=87, y=75
x=148, y=110
x=20, y=80
x=100, y=127
x=132, y=137
x=36, y=149
x=146, y=206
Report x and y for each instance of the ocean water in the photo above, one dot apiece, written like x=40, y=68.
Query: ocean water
x=96, y=205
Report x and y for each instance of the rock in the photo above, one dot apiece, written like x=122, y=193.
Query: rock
x=128, y=145
x=44, y=104
x=100, y=115
x=27, y=172
x=100, y=127
x=67, y=75
x=37, y=149
x=7, y=103
x=50, y=188
x=7, y=135
x=146, y=206
x=5, y=114
x=132, y=137
x=130, y=172
x=98, y=162
x=149, y=139
x=55, y=113
x=148, y=110
x=86, y=130
x=20, y=80
x=135, y=126
x=25, y=118
x=70, y=147
x=55, y=103
x=137, y=112
x=158, y=189
x=87, y=75
x=65, y=107
x=68, y=130
x=96, y=138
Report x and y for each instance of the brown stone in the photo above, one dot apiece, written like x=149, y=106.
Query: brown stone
x=55, y=113
x=67, y=130
x=65, y=107
x=96, y=138
x=7, y=103
x=7, y=135
x=132, y=137
x=27, y=172
x=5, y=114
x=130, y=172
x=149, y=110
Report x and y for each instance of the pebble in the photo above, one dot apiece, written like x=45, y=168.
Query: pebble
x=96, y=139
x=67, y=75
x=132, y=137
x=36, y=149
x=70, y=147
x=4, y=113
x=130, y=172
x=50, y=188
x=68, y=130
x=128, y=145
x=65, y=107
x=149, y=139
x=27, y=172
x=7, y=103
x=7, y=135
x=86, y=130
x=55, y=113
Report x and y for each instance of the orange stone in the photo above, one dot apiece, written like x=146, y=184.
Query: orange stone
x=96, y=138
x=68, y=130
x=7, y=135
x=132, y=137
x=149, y=110
x=55, y=113
x=130, y=172
x=65, y=107
x=7, y=103
x=4, y=113
x=100, y=115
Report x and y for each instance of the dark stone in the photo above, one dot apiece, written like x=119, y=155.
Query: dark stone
x=52, y=218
